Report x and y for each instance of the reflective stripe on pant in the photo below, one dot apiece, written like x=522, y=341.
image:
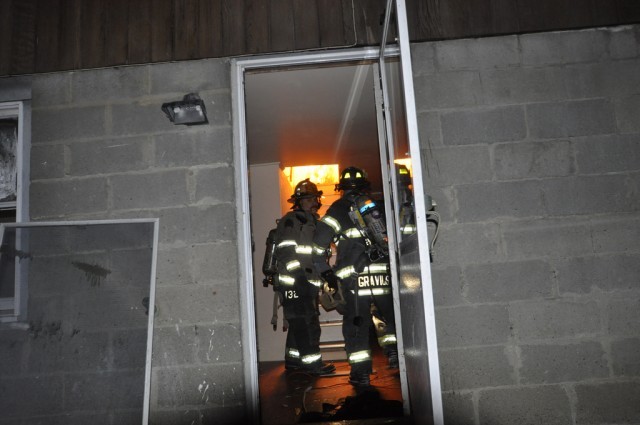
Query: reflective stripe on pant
x=303, y=335
x=356, y=326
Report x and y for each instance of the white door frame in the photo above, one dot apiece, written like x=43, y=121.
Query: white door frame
x=238, y=68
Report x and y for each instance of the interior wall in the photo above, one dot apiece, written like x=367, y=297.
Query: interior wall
x=531, y=146
x=268, y=193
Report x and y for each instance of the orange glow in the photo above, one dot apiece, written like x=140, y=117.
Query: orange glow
x=321, y=175
x=406, y=162
x=324, y=176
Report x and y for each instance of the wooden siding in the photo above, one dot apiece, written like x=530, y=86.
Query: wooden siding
x=53, y=35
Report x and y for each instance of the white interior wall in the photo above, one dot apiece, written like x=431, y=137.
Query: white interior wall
x=267, y=184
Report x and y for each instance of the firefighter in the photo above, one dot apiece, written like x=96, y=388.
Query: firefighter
x=355, y=224
x=298, y=282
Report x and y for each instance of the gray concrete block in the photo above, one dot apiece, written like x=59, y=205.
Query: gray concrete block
x=100, y=307
x=47, y=162
x=97, y=390
x=508, y=281
x=447, y=90
x=75, y=418
x=469, y=243
x=129, y=348
x=226, y=415
x=214, y=262
x=16, y=88
x=149, y=190
x=606, y=79
x=109, y=156
x=423, y=58
x=173, y=266
x=556, y=48
x=616, y=233
x=197, y=304
x=190, y=76
x=557, y=319
x=13, y=343
x=472, y=325
x=111, y=84
x=624, y=357
x=170, y=416
x=194, y=147
x=206, y=386
x=458, y=408
x=525, y=160
x=457, y=165
x=201, y=224
x=627, y=112
x=523, y=85
x=65, y=198
x=476, y=367
x=586, y=195
x=429, y=129
x=131, y=268
x=51, y=89
x=552, y=363
x=547, y=405
x=623, y=43
x=489, y=201
x=213, y=185
x=30, y=396
x=448, y=286
x=610, y=403
x=67, y=124
x=219, y=343
x=567, y=119
x=607, y=273
x=547, y=238
x=218, y=106
x=175, y=345
x=445, y=203
x=486, y=125
x=77, y=351
x=606, y=154
x=492, y=52
x=624, y=316
x=138, y=118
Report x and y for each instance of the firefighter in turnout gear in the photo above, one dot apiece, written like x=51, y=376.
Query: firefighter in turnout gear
x=298, y=282
x=355, y=223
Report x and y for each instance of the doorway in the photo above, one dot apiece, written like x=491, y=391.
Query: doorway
x=305, y=116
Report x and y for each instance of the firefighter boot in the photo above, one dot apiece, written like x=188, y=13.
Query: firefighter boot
x=359, y=379
x=320, y=369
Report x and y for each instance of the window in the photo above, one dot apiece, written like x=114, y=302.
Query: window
x=12, y=201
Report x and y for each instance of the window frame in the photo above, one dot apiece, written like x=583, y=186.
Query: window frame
x=21, y=110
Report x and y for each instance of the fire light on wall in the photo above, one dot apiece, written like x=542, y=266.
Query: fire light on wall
x=321, y=175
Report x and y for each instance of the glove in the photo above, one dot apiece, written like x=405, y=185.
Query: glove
x=332, y=280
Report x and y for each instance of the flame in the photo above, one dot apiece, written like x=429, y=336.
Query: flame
x=321, y=175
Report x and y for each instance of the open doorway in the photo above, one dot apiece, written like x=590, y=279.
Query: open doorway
x=318, y=114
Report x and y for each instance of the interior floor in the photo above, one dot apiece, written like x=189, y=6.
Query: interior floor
x=294, y=397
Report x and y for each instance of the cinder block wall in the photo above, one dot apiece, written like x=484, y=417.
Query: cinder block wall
x=81, y=357
x=532, y=152
x=102, y=148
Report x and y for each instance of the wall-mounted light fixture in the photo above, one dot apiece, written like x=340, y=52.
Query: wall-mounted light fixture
x=189, y=111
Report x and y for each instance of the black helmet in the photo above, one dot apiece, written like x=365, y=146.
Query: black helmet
x=353, y=178
x=305, y=189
